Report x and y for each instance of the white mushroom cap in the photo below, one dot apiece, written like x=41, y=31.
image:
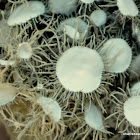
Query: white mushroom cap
x=87, y=1
x=127, y=7
x=25, y=12
x=80, y=69
x=24, y=50
x=117, y=55
x=93, y=117
x=65, y=7
x=132, y=110
x=7, y=93
x=98, y=17
x=135, y=90
x=74, y=28
x=50, y=107
x=71, y=32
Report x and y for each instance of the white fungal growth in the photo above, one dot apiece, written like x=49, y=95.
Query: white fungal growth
x=80, y=69
x=127, y=7
x=7, y=62
x=25, y=12
x=132, y=110
x=117, y=55
x=87, y=1
x=39, y=86
x=135, y=90
x=71, y=32
x=74, y=28
x=4, y=32
x=24, y=50
x=93, y=117
x=50, y=107
x=98, y=17
x=135, y=67
x=7, y=93
x=65, y=7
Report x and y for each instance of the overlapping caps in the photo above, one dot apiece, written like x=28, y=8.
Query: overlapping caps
x=80, y=68
x=68, y=69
